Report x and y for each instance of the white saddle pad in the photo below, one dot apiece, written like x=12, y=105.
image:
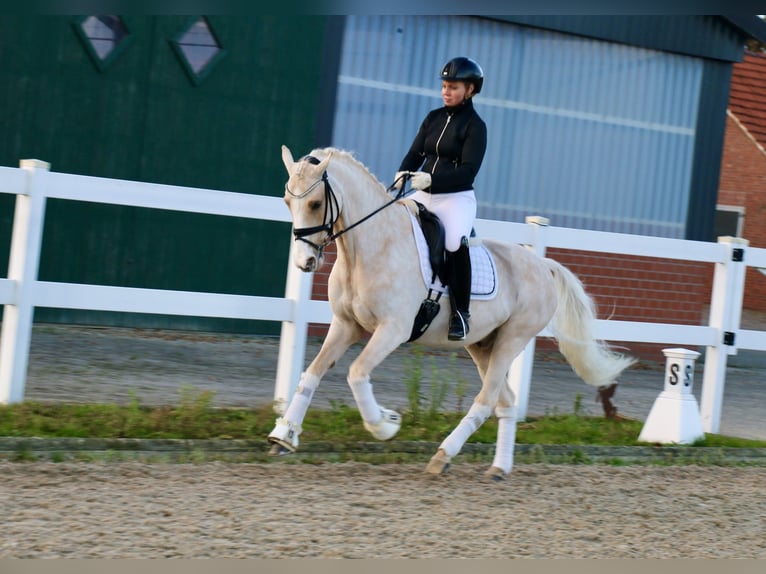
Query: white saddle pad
x=483, y=272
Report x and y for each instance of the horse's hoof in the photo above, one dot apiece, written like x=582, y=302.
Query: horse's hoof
x=439, y=463
x=278, y=449
x=496, y=474
x=387, y=427
x=285, y=435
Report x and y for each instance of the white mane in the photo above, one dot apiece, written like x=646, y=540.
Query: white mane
x=349, y=158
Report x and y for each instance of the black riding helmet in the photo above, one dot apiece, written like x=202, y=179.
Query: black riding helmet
x=463, y=70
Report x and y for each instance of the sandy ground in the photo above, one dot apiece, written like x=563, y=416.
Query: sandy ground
x=357, y=510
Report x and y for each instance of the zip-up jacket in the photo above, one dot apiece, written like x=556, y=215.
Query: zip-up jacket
x=450, y=145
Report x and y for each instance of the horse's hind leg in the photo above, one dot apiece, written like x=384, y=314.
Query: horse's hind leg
x=340, y=337
x=505, y=411
x=477, y=414
x=494, y=388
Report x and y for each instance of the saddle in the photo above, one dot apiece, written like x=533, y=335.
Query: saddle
x=433, y=230
x=430, y=240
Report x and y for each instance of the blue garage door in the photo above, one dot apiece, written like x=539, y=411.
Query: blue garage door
x=591, y=134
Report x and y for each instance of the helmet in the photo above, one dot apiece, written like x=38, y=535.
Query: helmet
x=463, y=70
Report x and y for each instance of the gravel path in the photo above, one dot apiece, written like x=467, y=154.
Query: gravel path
x=357, y=510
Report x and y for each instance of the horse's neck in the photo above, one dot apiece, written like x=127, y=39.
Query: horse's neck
x=371, y=238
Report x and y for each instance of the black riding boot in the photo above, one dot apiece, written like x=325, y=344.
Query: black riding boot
x=459, y=269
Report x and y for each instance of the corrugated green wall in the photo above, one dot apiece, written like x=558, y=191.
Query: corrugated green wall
x=143, y=119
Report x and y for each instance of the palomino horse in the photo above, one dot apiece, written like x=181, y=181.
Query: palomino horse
x=376, y=286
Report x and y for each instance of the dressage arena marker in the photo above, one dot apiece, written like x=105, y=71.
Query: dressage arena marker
x=675, y=415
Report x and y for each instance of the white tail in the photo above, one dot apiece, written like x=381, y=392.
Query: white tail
x=593, y=360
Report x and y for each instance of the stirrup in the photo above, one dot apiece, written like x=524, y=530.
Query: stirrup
x=458, y=327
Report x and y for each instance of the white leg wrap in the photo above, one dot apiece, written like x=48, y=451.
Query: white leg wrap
x=286, y=434
x=473, y=419
x=506, y=438
x=299, y=404
x=381, y=423
x=365, y=400
x=388, y=425
x=288, y=427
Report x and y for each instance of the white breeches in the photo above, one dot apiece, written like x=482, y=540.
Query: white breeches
x=456, y=210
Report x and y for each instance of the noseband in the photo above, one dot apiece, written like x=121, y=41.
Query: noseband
x=332, y=211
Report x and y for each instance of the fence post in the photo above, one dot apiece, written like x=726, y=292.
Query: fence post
x=292, y=342
x=520, y=373
x=725, y=315
x=26, y=240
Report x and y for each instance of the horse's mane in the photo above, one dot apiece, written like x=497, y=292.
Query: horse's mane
x=347, y=157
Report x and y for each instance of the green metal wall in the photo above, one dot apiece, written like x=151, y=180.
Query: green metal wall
x=143, y=119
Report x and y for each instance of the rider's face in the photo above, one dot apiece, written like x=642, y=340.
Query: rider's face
x=453, y=93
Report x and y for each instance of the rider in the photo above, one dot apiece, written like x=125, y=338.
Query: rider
x=443, y=161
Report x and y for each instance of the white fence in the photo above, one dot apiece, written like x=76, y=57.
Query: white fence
x=21, y=292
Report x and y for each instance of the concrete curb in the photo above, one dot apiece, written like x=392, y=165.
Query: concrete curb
x=31, y=448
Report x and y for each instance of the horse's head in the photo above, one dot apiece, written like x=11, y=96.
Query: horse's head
x=313, y=206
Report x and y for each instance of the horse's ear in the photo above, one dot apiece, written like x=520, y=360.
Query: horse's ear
x=287, y=157
x=322, y=167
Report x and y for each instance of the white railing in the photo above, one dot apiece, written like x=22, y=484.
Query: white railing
x=21, y=292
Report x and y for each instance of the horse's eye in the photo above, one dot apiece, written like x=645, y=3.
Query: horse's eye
x=315, y=205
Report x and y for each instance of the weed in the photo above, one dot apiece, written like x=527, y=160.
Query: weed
x=194, y=412
x=439, y=387
x=577, y=408
x=461, y=384
x=24, y=454
x=578, y=457
x=537, y=454
x=413, y=380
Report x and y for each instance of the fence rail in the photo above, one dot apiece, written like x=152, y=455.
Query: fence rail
x=33, y=183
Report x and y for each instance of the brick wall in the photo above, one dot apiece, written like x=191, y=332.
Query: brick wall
x=743, y=183
x=645, y=289
x=319, y=290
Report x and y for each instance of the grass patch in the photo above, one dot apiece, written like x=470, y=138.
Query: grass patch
x=195, y=418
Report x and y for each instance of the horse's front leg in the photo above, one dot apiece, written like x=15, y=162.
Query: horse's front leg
x=382, y=423
x=340, y=336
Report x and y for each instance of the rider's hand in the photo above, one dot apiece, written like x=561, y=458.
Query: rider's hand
x=420, y=180
x=400, y=178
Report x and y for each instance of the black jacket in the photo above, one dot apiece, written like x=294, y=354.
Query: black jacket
x=449, y=145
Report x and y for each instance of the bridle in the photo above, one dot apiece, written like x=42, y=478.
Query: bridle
x=332, y=210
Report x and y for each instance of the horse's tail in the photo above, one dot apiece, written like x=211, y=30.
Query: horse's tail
x=593, y=360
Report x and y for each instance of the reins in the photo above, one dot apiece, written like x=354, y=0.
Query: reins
x=331, y=208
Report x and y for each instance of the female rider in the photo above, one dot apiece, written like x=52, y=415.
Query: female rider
x=442, y=162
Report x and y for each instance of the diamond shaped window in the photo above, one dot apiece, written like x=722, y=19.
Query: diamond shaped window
x=198, y=49
x=104, y=37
